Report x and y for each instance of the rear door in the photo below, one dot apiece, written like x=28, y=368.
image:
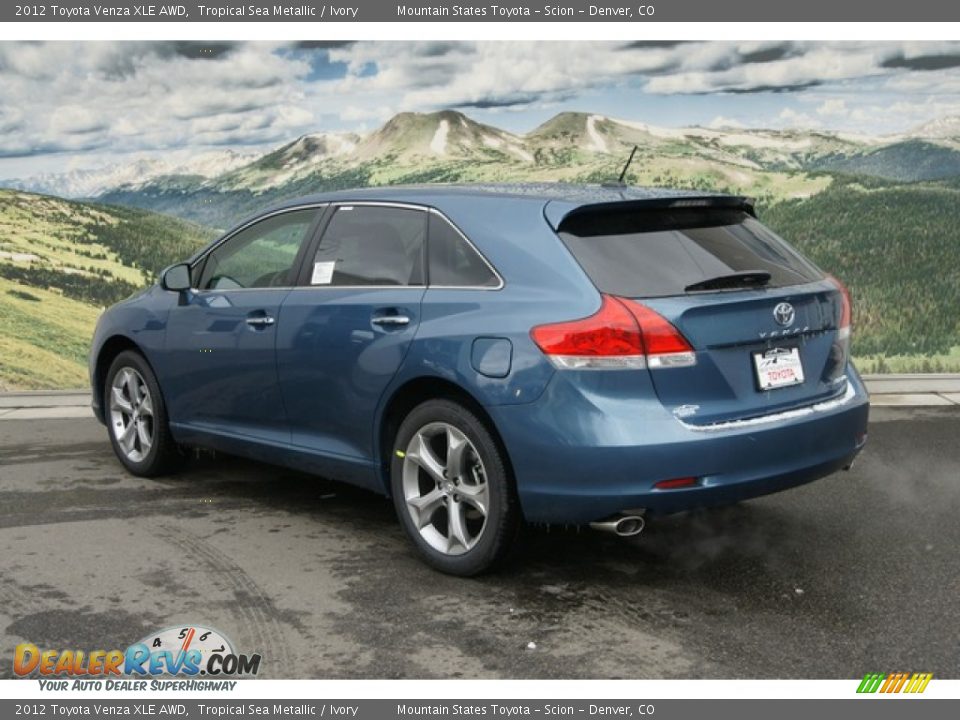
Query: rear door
x=345, y=330
x=762, y=320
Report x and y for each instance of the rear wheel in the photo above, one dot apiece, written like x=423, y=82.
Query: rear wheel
x=137, y=418
x=452, y=490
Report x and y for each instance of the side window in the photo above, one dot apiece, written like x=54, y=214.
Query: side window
x=261, y=255
x=371, y=245
x=453, y=263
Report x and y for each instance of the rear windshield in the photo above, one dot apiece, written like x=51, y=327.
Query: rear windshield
x=649, y=253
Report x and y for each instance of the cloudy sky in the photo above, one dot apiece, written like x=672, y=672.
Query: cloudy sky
x=67, y=106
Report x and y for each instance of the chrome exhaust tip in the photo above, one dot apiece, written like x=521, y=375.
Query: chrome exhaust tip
x=621, y=525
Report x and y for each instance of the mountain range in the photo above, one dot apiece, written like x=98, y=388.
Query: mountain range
x=881, y=213
x=447, y=146
x=90, y=183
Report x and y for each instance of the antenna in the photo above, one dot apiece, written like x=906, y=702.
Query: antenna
x=623, y=173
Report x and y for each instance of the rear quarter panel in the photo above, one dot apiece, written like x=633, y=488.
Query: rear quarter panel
x=542, y=283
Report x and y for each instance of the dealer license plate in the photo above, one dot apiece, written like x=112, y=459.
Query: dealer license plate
x=778, y=367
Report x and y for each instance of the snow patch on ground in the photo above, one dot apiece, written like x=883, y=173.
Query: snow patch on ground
x=660, y=132
x=18, y=256
x=724, y=137
x=520, y=153
x=597, y=143
x=764, y=141
x=439, y=143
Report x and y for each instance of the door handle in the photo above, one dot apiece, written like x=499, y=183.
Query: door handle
x=391, y=320
x=260, y=321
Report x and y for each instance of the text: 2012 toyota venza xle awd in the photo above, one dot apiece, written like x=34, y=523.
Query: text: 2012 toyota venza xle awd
x=488, y=355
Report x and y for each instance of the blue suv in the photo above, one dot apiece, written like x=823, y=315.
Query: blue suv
x=492, y=355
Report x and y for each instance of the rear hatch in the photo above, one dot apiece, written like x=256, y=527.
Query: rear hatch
x=762, y=320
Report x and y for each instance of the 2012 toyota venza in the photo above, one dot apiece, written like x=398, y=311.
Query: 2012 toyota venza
x=487, y=356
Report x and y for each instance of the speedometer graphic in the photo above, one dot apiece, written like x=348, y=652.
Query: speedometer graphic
x=182, y=639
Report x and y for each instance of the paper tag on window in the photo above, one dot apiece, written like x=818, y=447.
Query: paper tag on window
x=322, y=273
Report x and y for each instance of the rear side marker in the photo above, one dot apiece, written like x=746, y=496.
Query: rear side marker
x=621, y=335
x=676, y=483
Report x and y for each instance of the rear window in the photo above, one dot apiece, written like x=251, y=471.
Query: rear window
x=658, y=253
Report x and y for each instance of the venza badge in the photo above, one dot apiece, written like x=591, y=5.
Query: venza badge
x=784, y=314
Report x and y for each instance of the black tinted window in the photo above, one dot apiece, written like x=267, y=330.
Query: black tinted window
x=261, y=255
x=453, y=263
x=654, y=253
x=370, y=245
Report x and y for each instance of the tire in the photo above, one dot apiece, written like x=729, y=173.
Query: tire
x=463, y=520
x=136, y=418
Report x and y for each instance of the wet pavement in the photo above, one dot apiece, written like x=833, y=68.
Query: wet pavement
x=859, y=572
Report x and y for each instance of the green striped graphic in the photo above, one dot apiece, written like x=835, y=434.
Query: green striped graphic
x=871, y=682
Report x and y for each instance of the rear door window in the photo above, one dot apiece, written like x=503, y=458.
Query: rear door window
x=639, y=253
x=371, y=245
x=453, y=262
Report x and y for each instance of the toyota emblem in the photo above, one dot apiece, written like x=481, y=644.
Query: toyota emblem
x=784, y=314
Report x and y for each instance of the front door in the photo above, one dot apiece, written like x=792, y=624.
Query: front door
x=219, y=368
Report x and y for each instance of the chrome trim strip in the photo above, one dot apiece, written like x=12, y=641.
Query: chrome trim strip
x=821, y=407
x=378, y=203
x=217, y=243
x=344, y=203
x=359, y=287
x=421, y=208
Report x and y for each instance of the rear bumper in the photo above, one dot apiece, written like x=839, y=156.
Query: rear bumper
x=583, y=454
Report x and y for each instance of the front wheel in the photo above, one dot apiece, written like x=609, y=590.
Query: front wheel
x=137, y=417
x=452, y=490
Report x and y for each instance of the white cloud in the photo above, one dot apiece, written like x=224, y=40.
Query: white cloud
x=101, y=97
x=422, y=76
x=135, y=96
x=720, y=122
x=791, y=118
x=835, y=107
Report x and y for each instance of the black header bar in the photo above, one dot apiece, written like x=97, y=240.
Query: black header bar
x=311, y=11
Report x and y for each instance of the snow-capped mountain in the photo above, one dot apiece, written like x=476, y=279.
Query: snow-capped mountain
x=90, y=183
x=447, y=146
x=945, y=127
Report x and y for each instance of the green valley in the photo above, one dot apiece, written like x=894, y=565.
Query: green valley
x=61, y=262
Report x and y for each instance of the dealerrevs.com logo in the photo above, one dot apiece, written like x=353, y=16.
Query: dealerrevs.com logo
x=175, y=651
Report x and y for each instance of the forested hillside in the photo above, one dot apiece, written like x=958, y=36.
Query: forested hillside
x=61, y=262
x=897, y=246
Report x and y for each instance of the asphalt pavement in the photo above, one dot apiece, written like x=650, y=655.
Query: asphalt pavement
x=856, y=573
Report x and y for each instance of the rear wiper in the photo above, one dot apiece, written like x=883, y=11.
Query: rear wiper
x=744, y=279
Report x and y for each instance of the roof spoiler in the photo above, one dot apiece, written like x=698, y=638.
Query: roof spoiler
x=557, y=211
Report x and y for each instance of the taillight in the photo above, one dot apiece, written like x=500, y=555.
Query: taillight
x=846, y=309
x=841, y=348
x=622, y=334
x=662, y=342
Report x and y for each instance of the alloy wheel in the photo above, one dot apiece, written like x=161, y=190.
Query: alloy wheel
x=131, y=414
x=445, y=488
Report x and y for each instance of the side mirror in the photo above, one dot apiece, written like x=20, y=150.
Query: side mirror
x=176, y=278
